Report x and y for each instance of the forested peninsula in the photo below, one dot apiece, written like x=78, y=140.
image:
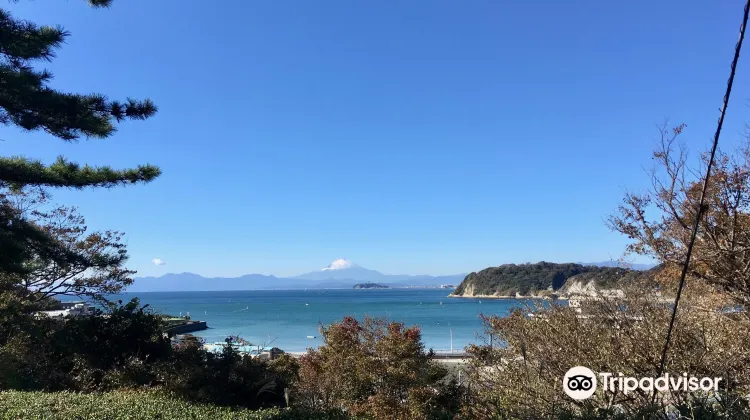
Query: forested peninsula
x=544, y=280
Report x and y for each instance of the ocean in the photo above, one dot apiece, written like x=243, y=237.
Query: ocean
x=286, y=318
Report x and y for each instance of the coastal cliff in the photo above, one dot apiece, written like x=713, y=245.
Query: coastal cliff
x=543, y=280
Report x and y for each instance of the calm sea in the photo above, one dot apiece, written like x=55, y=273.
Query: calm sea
x=286, y=318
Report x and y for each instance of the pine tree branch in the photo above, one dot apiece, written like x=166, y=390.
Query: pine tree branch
x=92, y=3
x=27, y=101
x=100, y=3
x=21, y=40
x=19, y=171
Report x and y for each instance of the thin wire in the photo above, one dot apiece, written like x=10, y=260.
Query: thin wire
x=701, y=204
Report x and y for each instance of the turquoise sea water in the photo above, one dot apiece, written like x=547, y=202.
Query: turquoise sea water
x=287, y=317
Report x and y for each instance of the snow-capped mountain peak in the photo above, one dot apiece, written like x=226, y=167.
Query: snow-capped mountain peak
x=340, y=264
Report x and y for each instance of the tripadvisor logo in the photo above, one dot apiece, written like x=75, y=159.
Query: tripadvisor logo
x=580, y=383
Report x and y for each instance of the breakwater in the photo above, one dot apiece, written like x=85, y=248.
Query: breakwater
x=187, y=327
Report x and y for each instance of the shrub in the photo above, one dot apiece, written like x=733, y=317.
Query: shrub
x=119, y=349
x=373, y=368
x=523, y=378
x=125, y=348
x=228, y=378
x=132, y=404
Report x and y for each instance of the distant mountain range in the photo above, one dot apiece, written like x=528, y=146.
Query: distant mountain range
x=342, y=269
x=340, y=274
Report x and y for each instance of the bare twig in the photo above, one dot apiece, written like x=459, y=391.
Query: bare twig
x=701, y=203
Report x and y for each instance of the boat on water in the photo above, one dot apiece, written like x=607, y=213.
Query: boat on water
x=310, y=336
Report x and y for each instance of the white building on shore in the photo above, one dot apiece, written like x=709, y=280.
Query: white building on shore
x=577, y=300
x=69, y=309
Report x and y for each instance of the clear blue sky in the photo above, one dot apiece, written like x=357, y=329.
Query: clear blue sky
x=411, y=137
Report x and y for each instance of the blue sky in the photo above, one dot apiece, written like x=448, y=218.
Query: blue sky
x=419, y=137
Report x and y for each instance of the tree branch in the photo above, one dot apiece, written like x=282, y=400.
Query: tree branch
x=19, y=172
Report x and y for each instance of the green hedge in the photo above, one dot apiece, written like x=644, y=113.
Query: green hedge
x=130, y=405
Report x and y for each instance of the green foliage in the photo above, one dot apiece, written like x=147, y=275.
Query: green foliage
x=228, y=378
x=29, y=102
x=86, y=353
x=135, y=404
x=19, y=171
x=286, y=370
x=125, y=347
x=528, y=279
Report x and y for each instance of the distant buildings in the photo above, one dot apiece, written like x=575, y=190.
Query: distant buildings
x=68, y=309
x=577, y=300
x=263, y=353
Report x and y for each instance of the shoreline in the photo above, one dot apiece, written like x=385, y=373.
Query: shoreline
x=506, y=297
